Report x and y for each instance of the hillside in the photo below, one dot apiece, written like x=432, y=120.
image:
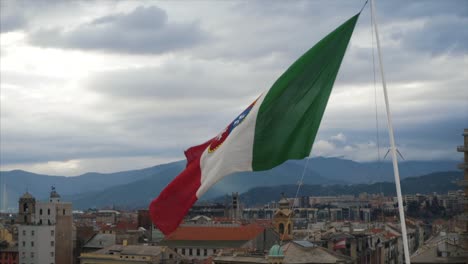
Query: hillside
x=440, y=182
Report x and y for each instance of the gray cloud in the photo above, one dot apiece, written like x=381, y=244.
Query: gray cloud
x=440, y=35
x=183, y=79
x=156, y=106
x=10, y=19
x=145, y=30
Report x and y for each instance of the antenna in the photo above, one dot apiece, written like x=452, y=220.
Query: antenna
x=392, y=143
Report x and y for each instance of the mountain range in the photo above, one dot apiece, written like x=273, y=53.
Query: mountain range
x=440, y=182
x=136, y=188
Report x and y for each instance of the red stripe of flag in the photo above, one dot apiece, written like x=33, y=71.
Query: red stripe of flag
x=173, y=203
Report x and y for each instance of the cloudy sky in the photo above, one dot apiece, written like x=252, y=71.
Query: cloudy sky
x=115, y=85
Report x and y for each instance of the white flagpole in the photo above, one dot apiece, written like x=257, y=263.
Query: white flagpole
x=392, y=143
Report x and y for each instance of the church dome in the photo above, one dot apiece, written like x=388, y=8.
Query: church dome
x=276, y=251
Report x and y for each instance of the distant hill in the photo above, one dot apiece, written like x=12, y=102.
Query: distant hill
x=19, y=181
x=369, y=172
x=440, y=182
x=138, y=187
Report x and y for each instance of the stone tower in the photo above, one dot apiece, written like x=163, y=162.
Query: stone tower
x=27, y=209
x=282, y=219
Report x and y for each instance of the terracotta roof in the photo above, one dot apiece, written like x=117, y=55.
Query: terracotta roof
x=213, y=233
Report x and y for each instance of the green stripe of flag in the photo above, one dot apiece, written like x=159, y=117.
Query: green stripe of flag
x=290, y=115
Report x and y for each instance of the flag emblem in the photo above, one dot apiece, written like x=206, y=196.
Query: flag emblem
x=218, y=140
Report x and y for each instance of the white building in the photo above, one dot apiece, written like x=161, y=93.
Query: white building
x=36, y=244
x=45, y=230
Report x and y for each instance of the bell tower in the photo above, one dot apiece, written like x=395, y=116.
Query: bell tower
x=282, y=219
x=26, y=210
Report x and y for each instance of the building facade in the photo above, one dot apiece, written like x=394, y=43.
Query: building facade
x=45, y=230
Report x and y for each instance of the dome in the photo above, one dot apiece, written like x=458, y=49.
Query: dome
x=276, y=251
x=26, y=195
x=53, y=193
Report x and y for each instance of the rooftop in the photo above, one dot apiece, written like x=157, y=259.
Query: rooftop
x=216, y=233
x=137, y=250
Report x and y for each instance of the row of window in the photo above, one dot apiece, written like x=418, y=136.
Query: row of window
x=52, y=243
x=193, y=252
x=6, y=256
x=25, y=263
x=23, y=254
x=52, y=233
x=48, y=211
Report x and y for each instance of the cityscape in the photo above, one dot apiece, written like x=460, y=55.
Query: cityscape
x=233, y=132
x=307, y=229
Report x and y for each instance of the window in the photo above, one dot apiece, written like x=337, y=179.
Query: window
x=24, y=232
x=205, y=252
x=40, y=211
x=40, y=222
x=32, y=243
x=32, y=232
x=170, y=256
x=52, y=232
x=183, y=251
x=32, y=254
x=190, y=252
x=48, y=211
x=63, y=211
x=281, y=228
x=198, y=252
x=52, y=243
x=51, y=254
x=24, y=243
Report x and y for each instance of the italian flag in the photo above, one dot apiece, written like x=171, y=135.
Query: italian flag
x=280, y=125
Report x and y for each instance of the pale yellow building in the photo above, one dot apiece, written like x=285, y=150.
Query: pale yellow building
x=5, y=235
x=282, y=220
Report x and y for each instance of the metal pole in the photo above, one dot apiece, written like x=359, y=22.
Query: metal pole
x=392, y=143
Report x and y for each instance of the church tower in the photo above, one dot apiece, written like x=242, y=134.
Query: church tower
x=282, y=218
x=27, y=209
x=54, y=196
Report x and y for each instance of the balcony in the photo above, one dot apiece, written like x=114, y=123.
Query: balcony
x=462, y=148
